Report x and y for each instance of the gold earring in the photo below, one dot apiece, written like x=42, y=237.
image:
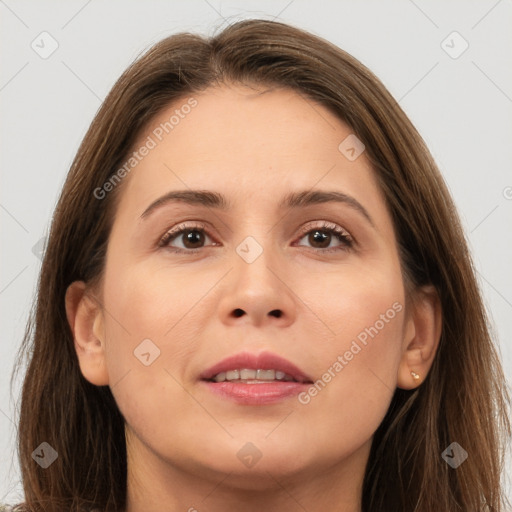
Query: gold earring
x=415, y=376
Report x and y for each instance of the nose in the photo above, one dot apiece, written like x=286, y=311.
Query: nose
x=258, y=292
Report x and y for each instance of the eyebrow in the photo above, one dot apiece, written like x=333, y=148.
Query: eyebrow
x=293, y=200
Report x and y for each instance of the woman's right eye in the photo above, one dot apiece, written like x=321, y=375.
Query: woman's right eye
x=189, y=234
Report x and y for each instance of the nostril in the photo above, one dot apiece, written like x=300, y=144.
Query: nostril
x=238, y=313
x=276, y=313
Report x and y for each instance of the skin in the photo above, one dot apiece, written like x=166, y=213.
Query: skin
x=253, y=146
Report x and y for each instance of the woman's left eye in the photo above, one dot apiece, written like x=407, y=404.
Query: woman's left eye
x=317, y=235
x=194, y=235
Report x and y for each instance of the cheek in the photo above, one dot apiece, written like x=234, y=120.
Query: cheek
x=358, y=305
x=147, y=302
x=152, y=333
x=357, y=361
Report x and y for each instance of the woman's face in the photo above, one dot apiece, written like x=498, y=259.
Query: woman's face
x=256, y=275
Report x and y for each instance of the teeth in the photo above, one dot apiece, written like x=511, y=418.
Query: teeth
x=251, y=374
x=247, y=374
x=266, y=374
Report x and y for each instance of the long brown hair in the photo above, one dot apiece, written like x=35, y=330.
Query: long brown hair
x=463, y=399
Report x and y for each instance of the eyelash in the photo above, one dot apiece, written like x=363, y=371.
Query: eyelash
x=342, y=235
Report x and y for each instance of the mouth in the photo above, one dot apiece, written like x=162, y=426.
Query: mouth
x=255, y=368
x=255, y=379
x=255, y=376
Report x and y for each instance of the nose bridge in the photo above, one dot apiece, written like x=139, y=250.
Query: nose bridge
x=257, y=236
x=255, y=259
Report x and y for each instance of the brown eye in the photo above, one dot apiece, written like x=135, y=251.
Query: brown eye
x=192, y=238
x=321, y=237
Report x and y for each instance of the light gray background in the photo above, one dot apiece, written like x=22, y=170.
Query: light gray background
x=462, y=107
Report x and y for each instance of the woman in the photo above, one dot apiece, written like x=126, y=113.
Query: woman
x=257, y=294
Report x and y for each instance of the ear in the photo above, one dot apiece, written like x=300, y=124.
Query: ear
x=422, y=333
x=85, y=318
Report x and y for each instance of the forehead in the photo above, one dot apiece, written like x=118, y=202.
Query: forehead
x=249, y=143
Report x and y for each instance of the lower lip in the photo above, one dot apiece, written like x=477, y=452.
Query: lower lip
x=256, y=394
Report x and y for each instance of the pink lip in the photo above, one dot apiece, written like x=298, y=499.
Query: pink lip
x=255, y=394
x=263, y=361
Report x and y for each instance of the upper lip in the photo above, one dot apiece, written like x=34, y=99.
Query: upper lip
x=262, y=361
